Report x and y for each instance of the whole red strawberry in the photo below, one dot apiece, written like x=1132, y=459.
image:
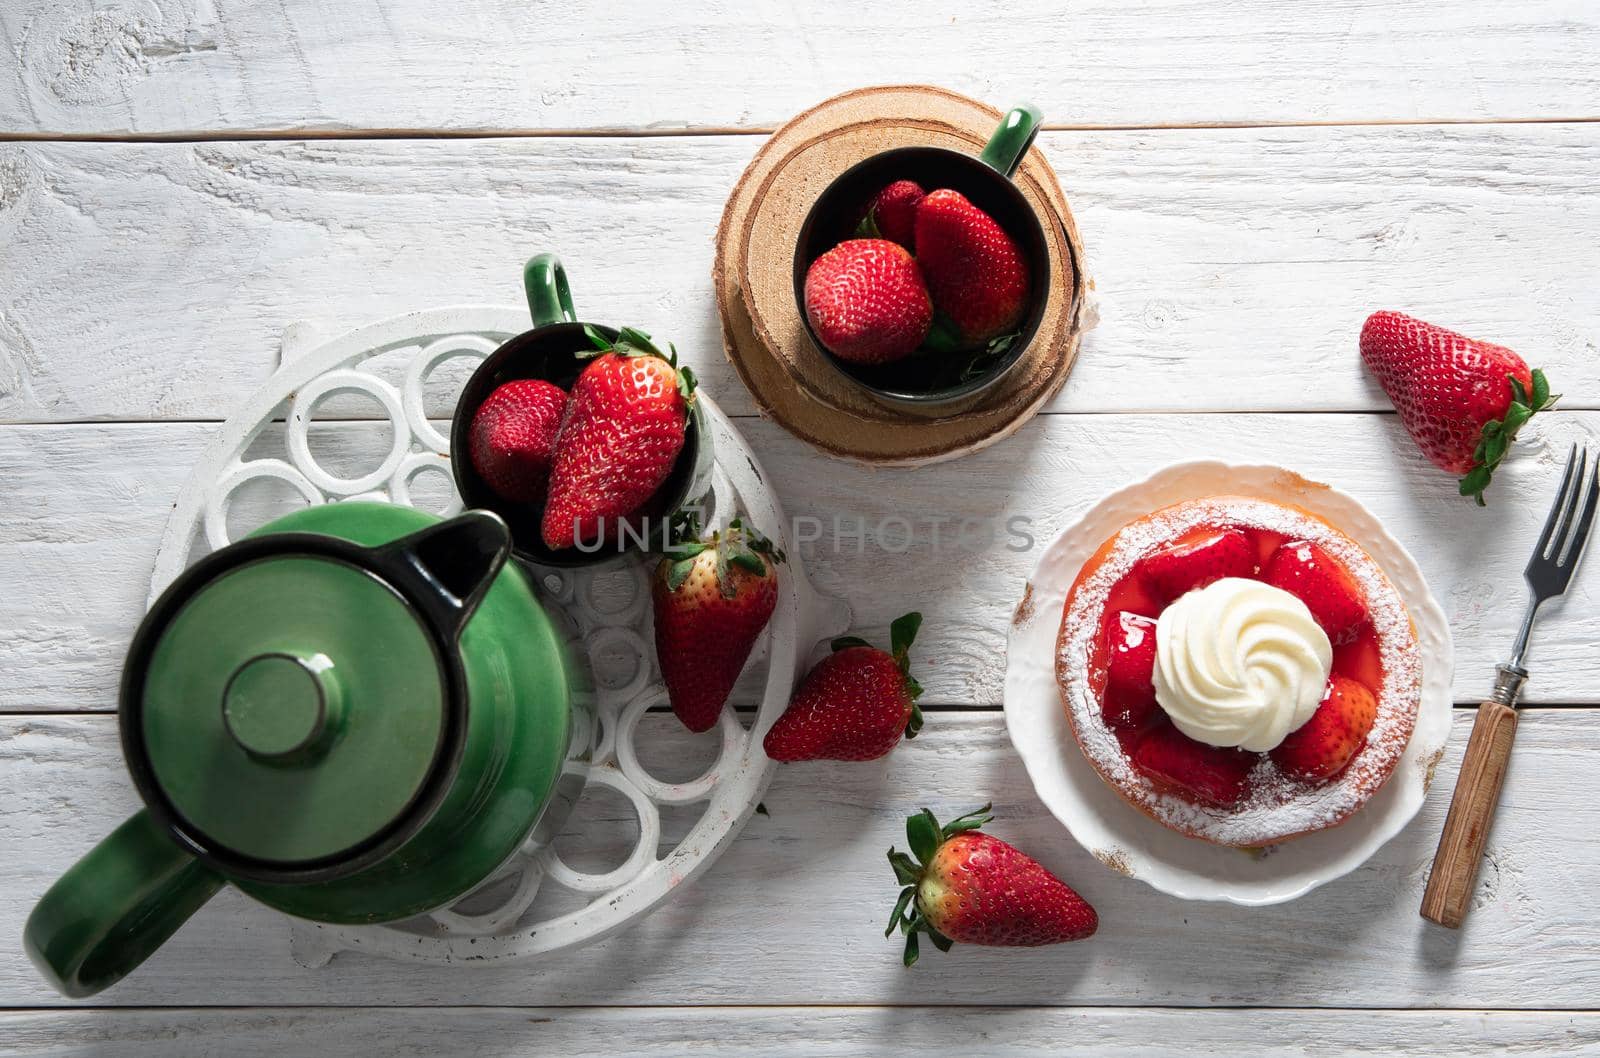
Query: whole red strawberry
x=623, y=430
x=855, y=704
x=513, y=437
x=866, y=301
x=1323, y=746
x=975, y=271
x=1461, y=400
x=892, y=214
x=970, y=887
x=712, y=599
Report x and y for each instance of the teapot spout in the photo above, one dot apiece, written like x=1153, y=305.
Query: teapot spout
x=448, y=567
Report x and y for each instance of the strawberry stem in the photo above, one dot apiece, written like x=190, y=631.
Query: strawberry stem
x=925, y=836
x=1495, y=439
x=739, y=545
x=632, y=341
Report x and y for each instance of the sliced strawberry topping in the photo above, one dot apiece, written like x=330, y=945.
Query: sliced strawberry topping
x=1323, y=746
x=1191, y=564
x=1208, y=774
x=1130, y=698
x=1317, y=579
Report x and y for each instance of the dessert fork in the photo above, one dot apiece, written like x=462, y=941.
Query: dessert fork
x=1483, y=769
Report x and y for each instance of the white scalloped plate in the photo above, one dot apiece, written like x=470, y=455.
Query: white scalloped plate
x=1127, y=840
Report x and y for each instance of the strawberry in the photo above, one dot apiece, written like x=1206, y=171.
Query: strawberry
x=970, y=887
x=975, y=271
x=855, y=704
x=622, y=432
x=1461, y=400
x=1130, y=699
x=712, y=599
x=866, y=301
x=1213, y=775
x=1323, y=746
x=1194, y=563
x=892, y=214
x=1311, y=575
x=513, y=437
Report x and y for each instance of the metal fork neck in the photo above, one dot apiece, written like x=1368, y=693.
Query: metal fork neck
x=1508, y=683
x=1520, y=649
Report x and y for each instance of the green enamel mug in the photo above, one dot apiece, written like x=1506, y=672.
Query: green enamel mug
x=355, y=715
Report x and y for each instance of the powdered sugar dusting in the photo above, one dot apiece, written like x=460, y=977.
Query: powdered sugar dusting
x=1278, y=807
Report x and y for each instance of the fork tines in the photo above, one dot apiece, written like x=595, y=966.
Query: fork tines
x=1567, y=529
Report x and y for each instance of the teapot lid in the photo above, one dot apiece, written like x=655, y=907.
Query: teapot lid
x=294, y=705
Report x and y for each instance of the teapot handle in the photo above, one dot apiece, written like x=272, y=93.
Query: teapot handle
x=115, y=907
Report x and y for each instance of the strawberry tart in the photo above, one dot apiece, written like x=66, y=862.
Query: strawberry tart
x=1239, y=670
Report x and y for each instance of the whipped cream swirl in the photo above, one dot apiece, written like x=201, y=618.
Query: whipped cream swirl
x=1240, y=663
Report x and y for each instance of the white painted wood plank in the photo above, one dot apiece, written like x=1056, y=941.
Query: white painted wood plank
x=1234, y=267
x=794, y=910
x=931, y=1032
x=86, y=505
x=193, y=65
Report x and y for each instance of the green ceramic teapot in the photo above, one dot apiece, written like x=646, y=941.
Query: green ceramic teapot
x=355, y=715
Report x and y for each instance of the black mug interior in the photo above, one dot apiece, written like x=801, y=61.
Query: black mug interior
x=925, y=378
x=551, y=353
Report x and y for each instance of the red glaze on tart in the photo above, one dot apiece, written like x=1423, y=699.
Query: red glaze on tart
x=1328, y=765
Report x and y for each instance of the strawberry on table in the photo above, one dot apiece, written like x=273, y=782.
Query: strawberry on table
x=624, y=427
x=1323, y=746
x=1214, y=775
x=1309, y=573
x=892, y=214
x=1460, y=399
x=855, y=704
x=1130, y=698
x=970, y=887
x=866, y=300
x=513, y=437
x=974, y=270
x=712, y=599
x=1194, y=563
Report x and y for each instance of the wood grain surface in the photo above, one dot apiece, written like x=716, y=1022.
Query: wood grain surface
x=817, y=1032
x=89, y=503
x=793, y=912
x=1233, y=267
x=185, y=67
x=181, y=179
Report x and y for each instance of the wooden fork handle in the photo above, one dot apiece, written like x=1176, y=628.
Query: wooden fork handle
x=1466, y=828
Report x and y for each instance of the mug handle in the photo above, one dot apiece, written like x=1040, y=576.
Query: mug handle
x=1012, y=138
x=115, y=907
x=549, y=296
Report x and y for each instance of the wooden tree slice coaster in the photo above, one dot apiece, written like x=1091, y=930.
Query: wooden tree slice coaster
x=764, y=336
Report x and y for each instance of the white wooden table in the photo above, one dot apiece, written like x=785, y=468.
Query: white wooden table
x=179, y=179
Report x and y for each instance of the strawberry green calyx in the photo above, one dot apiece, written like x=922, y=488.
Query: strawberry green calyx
x=901, y=635
x=631, y=341
x=868, y=228
x=925, y=836
x=739, y=545
x=1498, y=434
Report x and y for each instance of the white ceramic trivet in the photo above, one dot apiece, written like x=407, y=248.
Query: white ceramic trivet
x=274, y=438
x=1124, y=838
